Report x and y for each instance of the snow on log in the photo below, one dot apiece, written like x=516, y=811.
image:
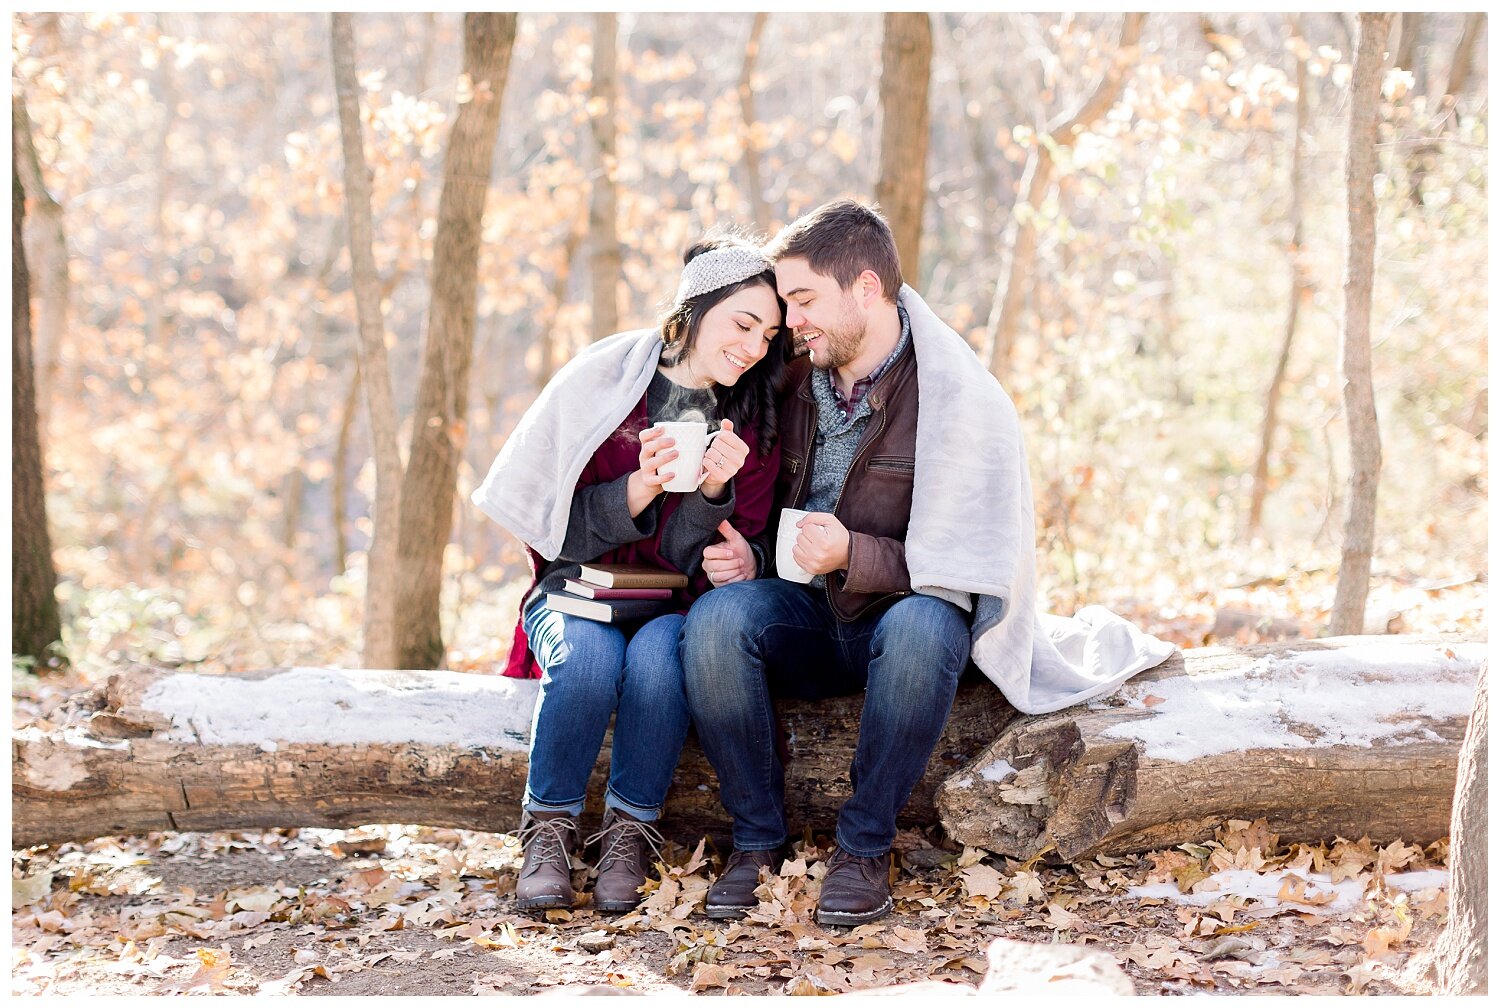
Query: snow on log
x=1344, y=736
x=169, y=750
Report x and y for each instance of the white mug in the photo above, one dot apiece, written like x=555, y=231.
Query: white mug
x=786, y=538
x=693, y=438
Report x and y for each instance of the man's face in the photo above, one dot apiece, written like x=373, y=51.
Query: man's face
x=825, y=319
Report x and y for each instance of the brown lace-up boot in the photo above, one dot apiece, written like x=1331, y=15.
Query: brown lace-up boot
x=627, y=846
x=546, y=881
x=856, y=890
x=733, y=894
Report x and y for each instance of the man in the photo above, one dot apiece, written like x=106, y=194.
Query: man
x=848, y=428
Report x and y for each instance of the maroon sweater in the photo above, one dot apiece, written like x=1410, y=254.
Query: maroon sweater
x=619, y=456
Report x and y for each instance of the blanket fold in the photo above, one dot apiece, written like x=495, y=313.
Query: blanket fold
x=529, y=488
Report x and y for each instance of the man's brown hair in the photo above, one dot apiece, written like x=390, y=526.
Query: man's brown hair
x=842, y=239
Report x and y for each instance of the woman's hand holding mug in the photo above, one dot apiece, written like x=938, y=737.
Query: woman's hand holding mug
x=725, y=457
x=657, y=450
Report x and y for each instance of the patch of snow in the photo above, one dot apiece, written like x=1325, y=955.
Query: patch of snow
x=347, y=707
x=1348, y=696
x=998, y=771
x=1349, y=893
x=1416, y=881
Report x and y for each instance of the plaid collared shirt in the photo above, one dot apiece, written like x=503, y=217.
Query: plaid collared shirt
x=861, y=388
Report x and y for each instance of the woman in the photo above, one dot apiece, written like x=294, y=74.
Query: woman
x=718, y=353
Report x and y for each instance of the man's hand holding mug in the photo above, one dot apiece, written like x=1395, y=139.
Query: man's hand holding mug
x=822, y=544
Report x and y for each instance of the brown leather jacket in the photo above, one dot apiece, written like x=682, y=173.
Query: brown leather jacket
x=875, y=505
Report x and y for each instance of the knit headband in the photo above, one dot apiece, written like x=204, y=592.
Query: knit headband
x=719, y=267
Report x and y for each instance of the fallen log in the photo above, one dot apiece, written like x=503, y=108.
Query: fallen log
x=172, y=750
x=1351, y=736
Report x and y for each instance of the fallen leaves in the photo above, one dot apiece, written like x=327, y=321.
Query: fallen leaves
x=982, y=882
x=28, y=889
x=1026, y=887
x=1349, y=859
x=1379, y=940
x=453, y=888
x=907, y=940
x=1295, y=889
x=707, y=975
x=211, y=976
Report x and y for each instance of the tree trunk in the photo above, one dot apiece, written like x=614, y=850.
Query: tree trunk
x=328, y=747
x=1460, y=961
x=1422, y=158
x=604, y=266
x=1360, y=164
x=1406, y=47
x=166, y=86
x=291, y=509
x=1301, y=288
x=759, y=212
x=339, y=502
x=981, y=140
x=1340, y=736
x=1020, y=234
x=34, y=621
x=437, y=436
x=548, y=362
x=905, y=74
x=383, y=571
x=1463, y=56
x=51, y=240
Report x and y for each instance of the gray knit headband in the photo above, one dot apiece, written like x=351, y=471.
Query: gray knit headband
x=719, y=267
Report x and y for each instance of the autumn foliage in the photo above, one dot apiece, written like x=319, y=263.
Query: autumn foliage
x=209, y=471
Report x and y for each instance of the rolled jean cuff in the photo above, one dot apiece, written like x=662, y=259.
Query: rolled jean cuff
x=533, y=804
x=857, y=852
x=614, y=801
x=760, y=846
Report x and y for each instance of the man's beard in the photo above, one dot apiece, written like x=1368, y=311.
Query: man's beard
x=841, y=345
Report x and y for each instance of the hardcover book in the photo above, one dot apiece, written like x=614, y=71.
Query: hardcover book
x=631, y=576
x=607, y=610
x=586, y=590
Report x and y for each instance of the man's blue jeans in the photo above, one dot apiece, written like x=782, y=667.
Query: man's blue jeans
x=593, y=670
x=752, y=639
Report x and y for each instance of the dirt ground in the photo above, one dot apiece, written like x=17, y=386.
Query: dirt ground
x=416, y=911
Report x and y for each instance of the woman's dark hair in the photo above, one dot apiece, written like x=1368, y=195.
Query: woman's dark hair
x=751, y=401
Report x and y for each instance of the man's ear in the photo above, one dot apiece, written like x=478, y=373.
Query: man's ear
x=869, y=288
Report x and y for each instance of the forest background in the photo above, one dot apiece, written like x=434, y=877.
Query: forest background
x=207, y=454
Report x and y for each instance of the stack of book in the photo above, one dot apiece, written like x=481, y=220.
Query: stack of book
x=617, y=593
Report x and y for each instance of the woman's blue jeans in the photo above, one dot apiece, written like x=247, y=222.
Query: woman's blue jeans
x=751, y=640
x=591, y=671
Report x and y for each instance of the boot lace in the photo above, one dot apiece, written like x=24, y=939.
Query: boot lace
x=550, y=836
x=757, y=859
x=626, y=837
x=869, y=868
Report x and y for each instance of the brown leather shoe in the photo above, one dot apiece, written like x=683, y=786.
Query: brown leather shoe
x=856, y=890
x=546, y=881
x=733, y=895
x=626, y=849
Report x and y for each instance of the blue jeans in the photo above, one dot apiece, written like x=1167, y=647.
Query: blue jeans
x=747, y=641
x=591, y=671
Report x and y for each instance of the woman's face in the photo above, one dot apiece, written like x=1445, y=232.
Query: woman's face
x=735, y=334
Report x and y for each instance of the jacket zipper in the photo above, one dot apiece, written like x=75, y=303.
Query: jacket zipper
x=839, y=499
x=807, y=453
